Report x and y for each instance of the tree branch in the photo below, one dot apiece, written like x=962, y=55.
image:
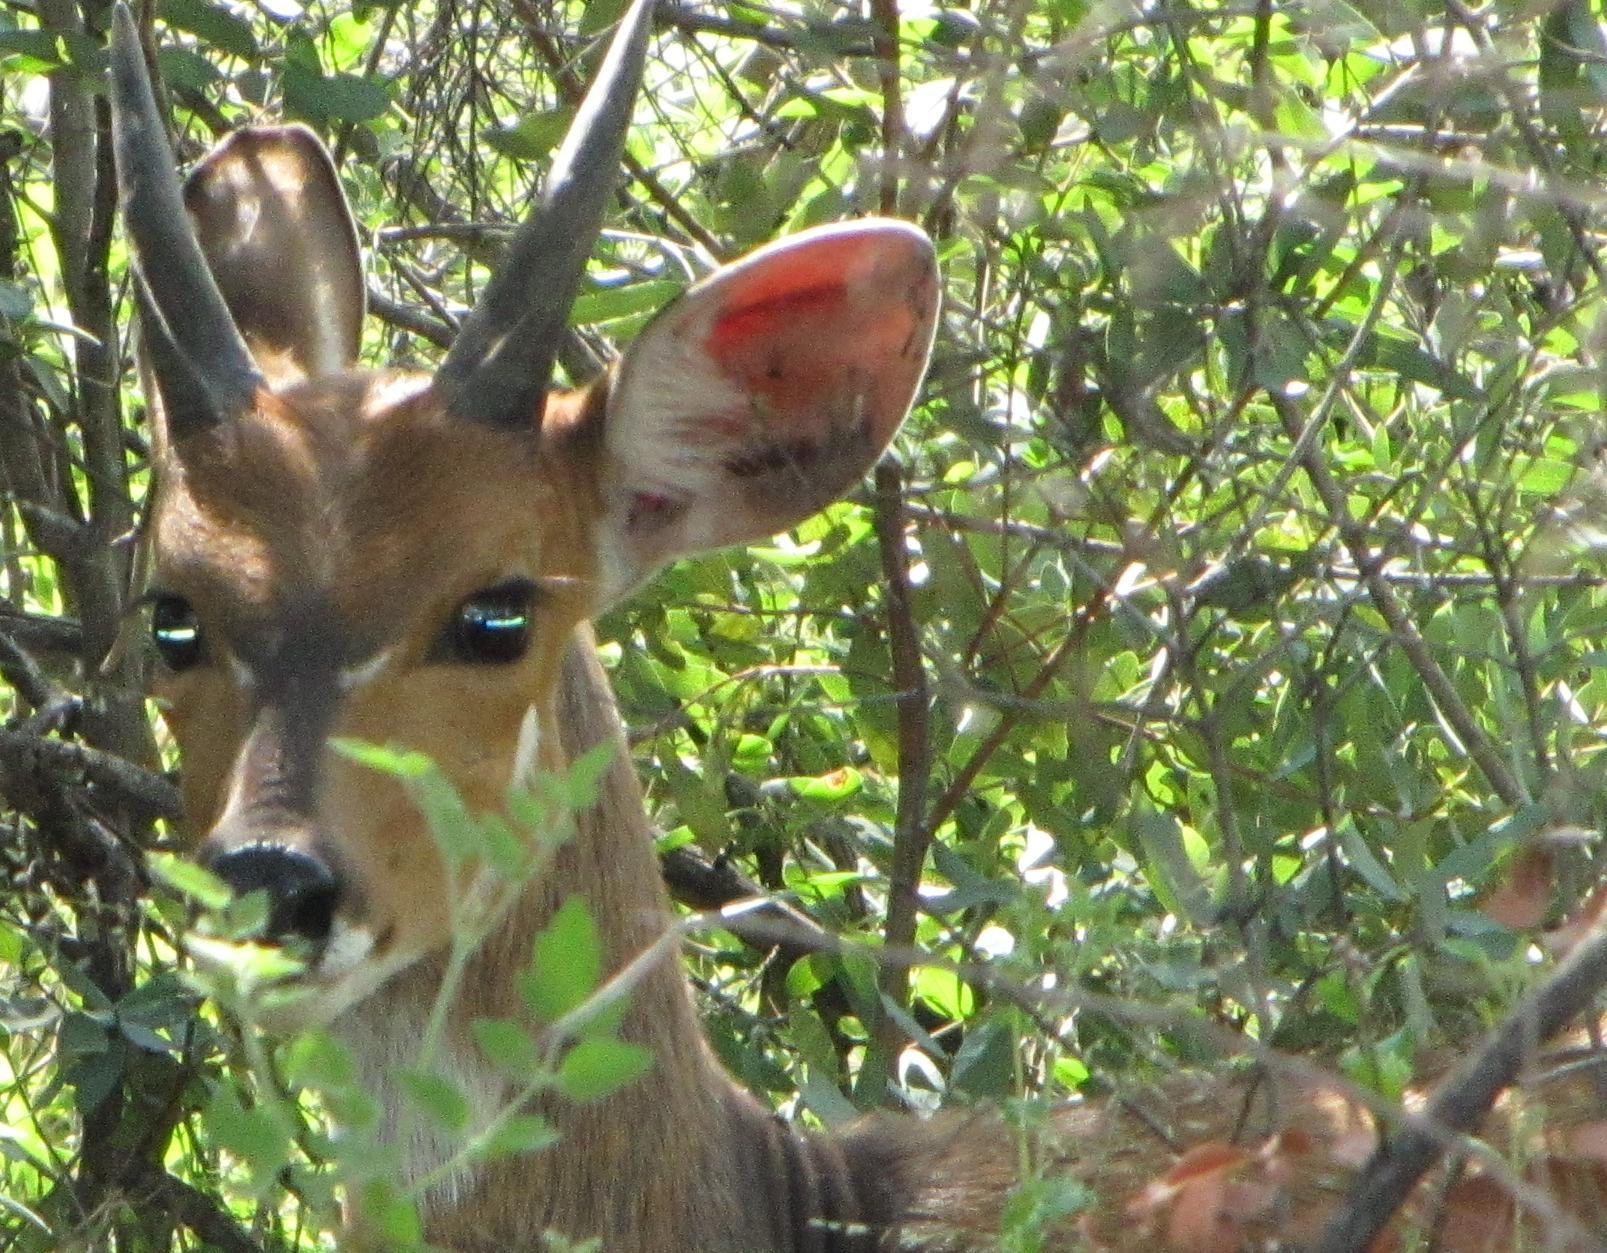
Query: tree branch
x=1462, y=1102
x=912, y=834
x=1479, y=746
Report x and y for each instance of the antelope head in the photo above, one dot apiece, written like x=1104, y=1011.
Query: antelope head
x=403, y=558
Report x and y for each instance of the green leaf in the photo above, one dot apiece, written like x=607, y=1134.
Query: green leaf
x=607, y=304
x=532, y=136
x=388, y=1217
x=596, y=1067
x=701, y=803
x=970, y=888
x=255, y=1134
x=834, y=785
x=1362, y=861
x=566, y=963
x=16, y=302
x=404, y=763
x=1037, y=1203
x=436, y=1097
x=80, y=1034
x=315, y=1059
x=944, y=991
x=506, y=1044
x=585, y=777
x=33, y=51
x=1163, y=842
x=188, y=879
x=186, y=68
x=211, y=24
x=506, y=852
x=328, y=98
x=95, y=1076
x=1408, y=359
x=454, y=829
x=519, y=1133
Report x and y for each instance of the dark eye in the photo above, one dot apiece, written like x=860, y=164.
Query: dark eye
x=492, y=627
x=175, y=631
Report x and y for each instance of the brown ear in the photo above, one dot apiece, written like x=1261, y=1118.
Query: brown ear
x=278, y=237
x=764, y=393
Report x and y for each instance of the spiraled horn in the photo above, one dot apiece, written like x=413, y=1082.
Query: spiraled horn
x=501, y=363
x=204, y=367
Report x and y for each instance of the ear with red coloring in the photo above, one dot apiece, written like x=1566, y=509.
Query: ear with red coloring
x=764, y=393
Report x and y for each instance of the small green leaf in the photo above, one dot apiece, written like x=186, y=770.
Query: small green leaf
x=332, y=97
x=504, y=850
x=15, y=301
x=188, y=879
x=985, y=1063
x=532, y=136
x=596, y=1067
x=506, y=1044
x=404, y=763
x=1172, y=870
x=255, y=1134
x=315, y=1059
x=186, y=68
x=606, y=304
x=520, y=1133
x=388, y=1218
x=452, y=826
x=35, y=51
x=436, y=1097
x=1037, y=1203
x=93, y=1077
x=1365, y=864
x=250, y=965
x=584, y=779
x=213, y=25
x=834, y=785
x=566, y=963
x=143, y=1037
x=80, y=1034
x=944, y=991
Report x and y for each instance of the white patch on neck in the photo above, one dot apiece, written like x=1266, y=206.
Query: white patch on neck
x=527, y=750
x=384, y=1034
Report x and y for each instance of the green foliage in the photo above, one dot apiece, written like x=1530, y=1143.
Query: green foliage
x=1250, y=515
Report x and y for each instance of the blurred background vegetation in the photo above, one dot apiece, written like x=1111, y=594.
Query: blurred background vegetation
x=1221, y=639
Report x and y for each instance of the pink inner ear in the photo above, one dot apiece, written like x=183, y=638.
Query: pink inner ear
x=828, y=334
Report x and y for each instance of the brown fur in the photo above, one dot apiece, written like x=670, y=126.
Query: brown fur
x=324, y=538
x=300, y=505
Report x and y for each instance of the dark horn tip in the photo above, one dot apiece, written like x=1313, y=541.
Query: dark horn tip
x=203, y=366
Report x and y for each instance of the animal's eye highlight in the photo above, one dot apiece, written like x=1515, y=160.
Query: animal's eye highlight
x=492, y=627
x=176, y=632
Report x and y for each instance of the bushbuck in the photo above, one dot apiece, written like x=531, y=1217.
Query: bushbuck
x=414, y=559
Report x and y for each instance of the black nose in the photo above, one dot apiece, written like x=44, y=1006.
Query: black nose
x=302, y=891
